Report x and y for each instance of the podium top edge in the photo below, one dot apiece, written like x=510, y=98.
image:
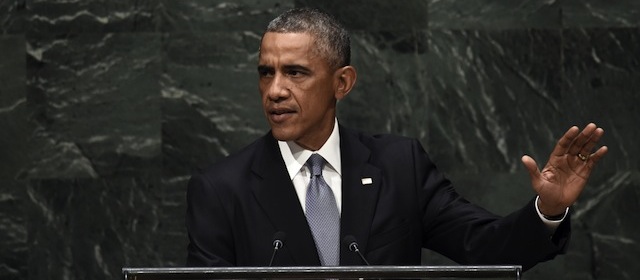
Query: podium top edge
x=310, y=272
x=284, y=269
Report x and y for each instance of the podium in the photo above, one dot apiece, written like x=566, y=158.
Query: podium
x=324, y=272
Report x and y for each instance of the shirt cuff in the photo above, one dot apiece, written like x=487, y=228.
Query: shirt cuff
x=551, y=224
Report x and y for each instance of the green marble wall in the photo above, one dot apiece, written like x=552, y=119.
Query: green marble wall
x=106, y=106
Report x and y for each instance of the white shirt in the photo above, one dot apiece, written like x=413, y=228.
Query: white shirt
x=295, y=158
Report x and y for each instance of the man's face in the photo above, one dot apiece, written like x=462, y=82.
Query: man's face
x=298, y=89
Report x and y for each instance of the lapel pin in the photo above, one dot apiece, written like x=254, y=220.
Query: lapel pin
x=367, y=181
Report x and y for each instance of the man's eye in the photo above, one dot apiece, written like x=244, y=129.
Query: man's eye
x=265, y=73
x=295, y=73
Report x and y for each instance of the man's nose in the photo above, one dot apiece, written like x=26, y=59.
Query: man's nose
x=278, y=88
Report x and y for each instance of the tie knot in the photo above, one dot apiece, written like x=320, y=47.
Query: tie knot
x=315, y=164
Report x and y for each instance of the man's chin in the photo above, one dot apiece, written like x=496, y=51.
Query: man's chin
x=280, y=135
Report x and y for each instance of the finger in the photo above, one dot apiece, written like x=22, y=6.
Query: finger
x=563, y=145
x=593, y=141
x=597, y=155
x=582, y=139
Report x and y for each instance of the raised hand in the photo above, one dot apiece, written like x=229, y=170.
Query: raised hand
x=566, y=173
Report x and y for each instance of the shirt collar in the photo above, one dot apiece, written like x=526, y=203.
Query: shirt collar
x=295, y=156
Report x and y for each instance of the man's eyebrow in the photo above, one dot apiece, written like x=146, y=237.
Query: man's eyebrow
x=264, y=68
x=296, y=67
x=290, y=67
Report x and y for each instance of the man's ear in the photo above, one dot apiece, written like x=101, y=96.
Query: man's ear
x=345, y=78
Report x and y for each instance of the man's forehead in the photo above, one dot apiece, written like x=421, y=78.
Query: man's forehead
x=286, y=40
x=288, y=34
x=286, y=47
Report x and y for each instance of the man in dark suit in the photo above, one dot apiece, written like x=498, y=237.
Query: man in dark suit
x=384, y=192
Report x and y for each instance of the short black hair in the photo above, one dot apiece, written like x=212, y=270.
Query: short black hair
x=331, y=37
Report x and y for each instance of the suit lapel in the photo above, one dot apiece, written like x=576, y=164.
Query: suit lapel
x=276, y=195
x=360, y=188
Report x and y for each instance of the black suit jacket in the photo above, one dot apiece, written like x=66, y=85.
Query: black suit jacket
x=237, y=205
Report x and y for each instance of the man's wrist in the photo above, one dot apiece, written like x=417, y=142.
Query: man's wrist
x=554, y=218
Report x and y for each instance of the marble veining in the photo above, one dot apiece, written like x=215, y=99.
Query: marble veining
x=107, y=107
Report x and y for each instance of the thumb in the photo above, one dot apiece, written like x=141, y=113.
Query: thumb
x=532, y=167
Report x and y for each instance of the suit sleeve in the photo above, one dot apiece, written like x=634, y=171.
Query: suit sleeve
x=208, y=226
x=469, y=234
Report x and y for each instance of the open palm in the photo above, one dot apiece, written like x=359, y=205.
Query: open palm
x=566, y=173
